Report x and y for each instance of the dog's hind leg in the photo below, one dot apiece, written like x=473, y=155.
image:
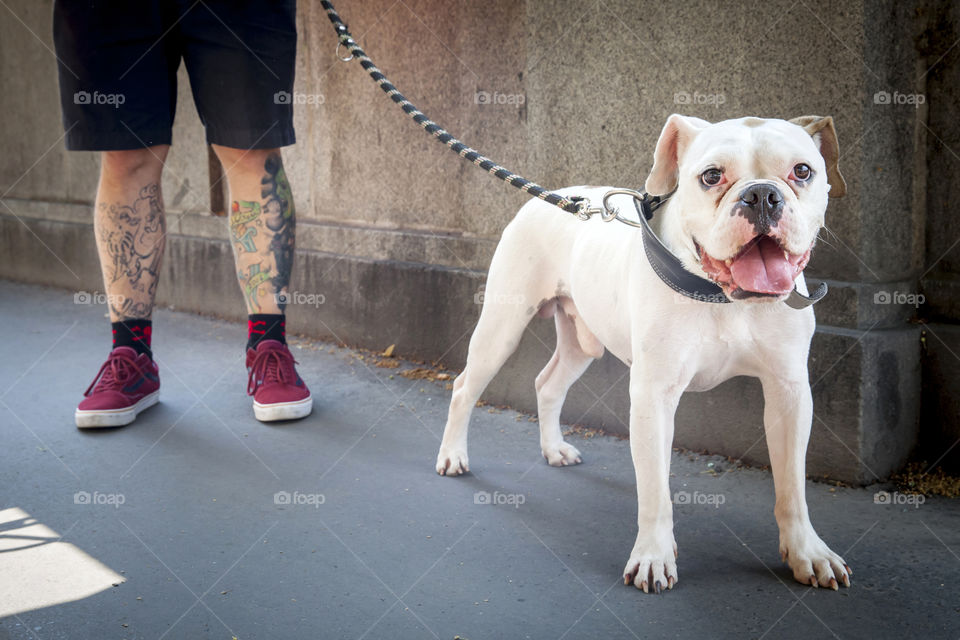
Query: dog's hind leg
x=569, y=361
x=504, y=316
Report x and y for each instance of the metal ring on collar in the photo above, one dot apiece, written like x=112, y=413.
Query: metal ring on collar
x=612, y=213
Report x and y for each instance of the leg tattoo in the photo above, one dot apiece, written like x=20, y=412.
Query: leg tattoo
x=131, y=240
x=281, y=219
x=263, y=235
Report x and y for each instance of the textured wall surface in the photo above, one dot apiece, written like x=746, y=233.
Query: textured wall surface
x=396, y=233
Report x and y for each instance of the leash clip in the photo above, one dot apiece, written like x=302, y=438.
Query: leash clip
x=349, y=42
x=607, y=212
x=344, y=39
x=584, y=211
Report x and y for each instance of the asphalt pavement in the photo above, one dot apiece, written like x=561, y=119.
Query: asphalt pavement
x=213, y=525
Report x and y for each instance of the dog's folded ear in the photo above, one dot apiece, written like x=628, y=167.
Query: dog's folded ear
x=824, y=136
x=673, y=142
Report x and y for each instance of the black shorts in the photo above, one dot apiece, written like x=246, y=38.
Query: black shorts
x=118, y=63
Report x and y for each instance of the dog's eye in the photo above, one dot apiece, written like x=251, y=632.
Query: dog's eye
x=711, y=177
x=802, y=172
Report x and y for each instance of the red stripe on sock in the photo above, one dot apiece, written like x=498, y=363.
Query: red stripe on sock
x=141, y=334
x=252, y=327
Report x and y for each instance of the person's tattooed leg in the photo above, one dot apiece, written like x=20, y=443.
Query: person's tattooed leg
x=263, y=233
x=131, y=238
x=130, y=229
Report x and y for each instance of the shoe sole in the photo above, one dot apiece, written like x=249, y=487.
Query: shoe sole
x=101, y=418
x=283, y=410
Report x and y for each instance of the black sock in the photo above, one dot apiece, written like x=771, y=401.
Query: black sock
x=266, y=326
x=135, y=334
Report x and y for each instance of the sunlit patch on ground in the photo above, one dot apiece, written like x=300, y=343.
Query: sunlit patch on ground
x=41, y=570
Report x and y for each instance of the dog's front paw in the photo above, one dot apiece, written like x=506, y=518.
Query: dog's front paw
x=452, y=461
x=563, y=455
x=652, y=565
x=812, y=561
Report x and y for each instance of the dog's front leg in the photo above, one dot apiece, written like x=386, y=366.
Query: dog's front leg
x=787, y=415
x=652, y=564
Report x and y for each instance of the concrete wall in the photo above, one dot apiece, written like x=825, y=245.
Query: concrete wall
x=940, y=277
x=396, y=233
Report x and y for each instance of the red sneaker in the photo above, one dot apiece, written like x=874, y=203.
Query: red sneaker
x=278, y=391
x=126, y=384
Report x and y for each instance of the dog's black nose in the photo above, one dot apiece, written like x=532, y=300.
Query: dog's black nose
x=761, y=204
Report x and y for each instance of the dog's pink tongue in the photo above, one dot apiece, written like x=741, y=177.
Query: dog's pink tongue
x=763, y=268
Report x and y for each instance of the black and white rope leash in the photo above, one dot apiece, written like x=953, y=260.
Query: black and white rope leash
x=577, y=206
x=666, y=265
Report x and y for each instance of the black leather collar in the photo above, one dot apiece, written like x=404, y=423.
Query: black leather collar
x=668, y=266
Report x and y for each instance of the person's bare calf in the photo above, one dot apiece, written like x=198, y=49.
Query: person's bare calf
x=130, y=229
x=262, y=225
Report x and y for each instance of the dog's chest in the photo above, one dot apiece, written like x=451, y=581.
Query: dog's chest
x=721, y=349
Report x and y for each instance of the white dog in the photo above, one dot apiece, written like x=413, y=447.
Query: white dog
x=749, y=197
